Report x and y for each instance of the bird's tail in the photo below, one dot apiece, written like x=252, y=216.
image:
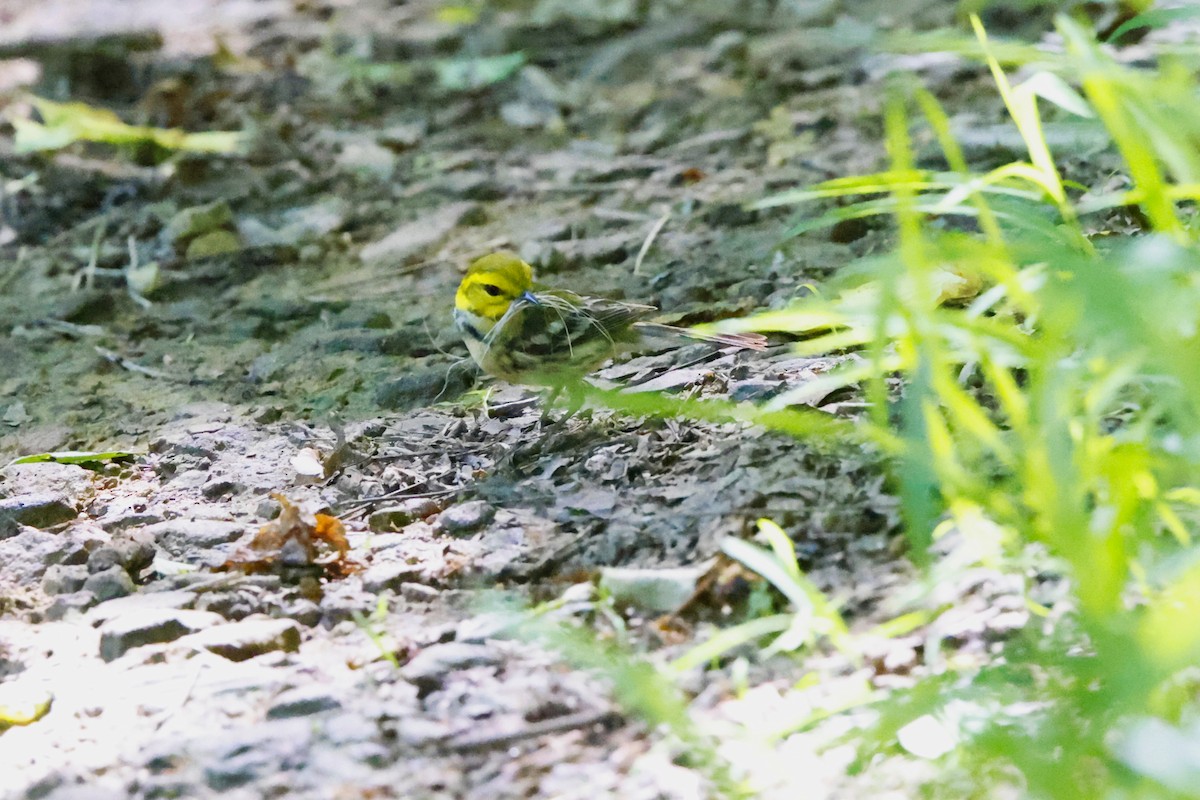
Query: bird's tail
x=742, y=341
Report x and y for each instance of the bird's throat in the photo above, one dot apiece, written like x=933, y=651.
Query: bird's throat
x=473, y=327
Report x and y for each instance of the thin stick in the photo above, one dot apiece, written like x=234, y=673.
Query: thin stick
x=187, y=696
x=15, y=269
x=132, y=268
x=89, y=274
x=650, y=237
x=399, y=494
x=133, y=366
x=583, y=719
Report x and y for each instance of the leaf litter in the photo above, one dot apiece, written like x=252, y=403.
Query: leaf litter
x=299, y=541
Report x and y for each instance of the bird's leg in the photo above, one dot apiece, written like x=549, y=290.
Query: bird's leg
x=575, y=398
x=548, y=404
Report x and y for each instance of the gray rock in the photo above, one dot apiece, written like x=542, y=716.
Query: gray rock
x=64, y=578
x=425, y=386
x=69, y=480
x=471, y=185
x=130, y=555
x=726, y=47
x=191, y=222
x=418, y=592
x=234, y=758
x=610, y=249
x=144, y=626
x=140, y=602
x=366, y=157
x=303, y=701
x=389, y=575
x=68, y=605
x=247, y=638
x=416, y=731
x=348, y=728
x=410, y=240
x=651, y=589
x=393, y=518
x=109, y=583
x=429, y=668
x=464, y=518
x=239, y=769
x=373, y=754
x=230, y=605
x=137, y=555
x=488, y=625
x=298, y=224
x=344, y=602
x=218, y=487
x=742, y=391
x=27, y=555
x=179, y=535
x=42, y=510
x=730, y=215
x=87, y=791
x=402, y=136
x=306, y=612
x=105, y=557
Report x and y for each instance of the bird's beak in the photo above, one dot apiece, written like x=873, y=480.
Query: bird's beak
x=531, y=299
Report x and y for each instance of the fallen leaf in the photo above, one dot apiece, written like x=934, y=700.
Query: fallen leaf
x=298, y=541
x=21, y=704
x=67, y=123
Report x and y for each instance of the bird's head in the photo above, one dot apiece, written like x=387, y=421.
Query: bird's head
x=492, y=284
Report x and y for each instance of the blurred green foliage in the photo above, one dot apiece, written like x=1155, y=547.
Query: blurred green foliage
x=1059, y=406
x=64, y=124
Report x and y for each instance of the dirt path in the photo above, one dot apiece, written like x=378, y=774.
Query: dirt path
x=297, y=340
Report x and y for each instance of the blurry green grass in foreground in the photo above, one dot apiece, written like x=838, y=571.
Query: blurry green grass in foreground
x=1060, y=406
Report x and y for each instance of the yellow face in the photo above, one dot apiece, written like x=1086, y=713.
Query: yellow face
x=491, y=284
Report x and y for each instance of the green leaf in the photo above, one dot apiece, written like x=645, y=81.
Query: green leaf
x=74, y=457
x=725, y=640
x=1049, y=86
x=1155, y=18
x=66, y=123
x=764, y=563
x=782, y=545
x=461, y=74
x=23, y=703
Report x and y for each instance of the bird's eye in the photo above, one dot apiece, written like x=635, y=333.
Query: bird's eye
x=493, y=289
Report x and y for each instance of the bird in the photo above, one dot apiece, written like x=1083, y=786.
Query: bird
x=526, y=333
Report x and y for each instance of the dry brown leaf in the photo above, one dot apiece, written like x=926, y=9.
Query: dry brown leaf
x=297, y=539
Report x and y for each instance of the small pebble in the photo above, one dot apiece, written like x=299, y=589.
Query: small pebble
x=464, y=518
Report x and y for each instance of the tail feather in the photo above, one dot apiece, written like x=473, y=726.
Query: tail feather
x=743, y=341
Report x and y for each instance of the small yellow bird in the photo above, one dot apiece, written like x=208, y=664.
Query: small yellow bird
x=525, y=333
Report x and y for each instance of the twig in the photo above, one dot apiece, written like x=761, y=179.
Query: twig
x=70, y=328
x=621, y=215
x=89, y=274
x=398, y=494
x=708, y=139
x=130, y=270
x=650, y=237
x=481, y=742
x=133, y=366
x=81, y=227
x=15, y=269
x=184, y=701
x=216, y=582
